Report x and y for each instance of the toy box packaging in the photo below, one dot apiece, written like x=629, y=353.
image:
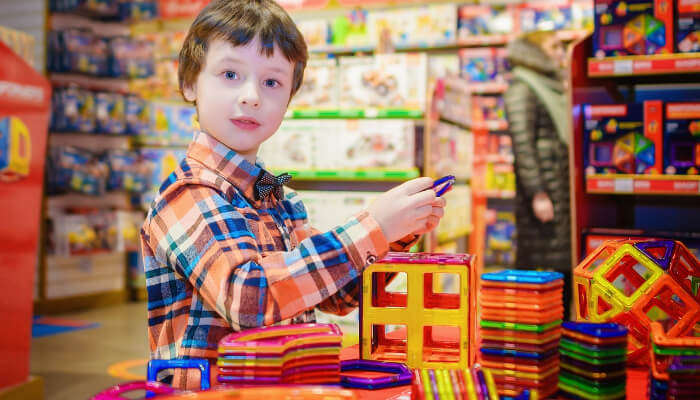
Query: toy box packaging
x=623, y=138
x=316, y=32
x=500, y=237
x=428, y=25
x=292, y=146
x=442, y=65
x=78, y=170
x=351, y=29
x=688, y=26
x=384, y=81
x=488, y=109
x=131, y=58
x=477, y=20
x=457, y=217
x=481, y=65
x=110, y=113
x=138, y=115
x=682, y=138
x=173, y=124
x=320, y=87
x=158, y=163
x=545, y=15
x=126, y=171
x=452, y=151
x=73, y=110
x=632, y=27
x=361, y=144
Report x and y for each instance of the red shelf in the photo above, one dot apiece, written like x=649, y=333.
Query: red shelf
x=644, y=184
x=683, y=63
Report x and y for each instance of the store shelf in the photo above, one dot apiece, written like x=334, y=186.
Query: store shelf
x=61, y=21
x=120, y=200
x=681, y=185
x=493, y=126
x=499, y=194
x=464, y=86
x=358, y=113
x=658, y=64
x=350, y=175
x=90, y=141
x=121, y=85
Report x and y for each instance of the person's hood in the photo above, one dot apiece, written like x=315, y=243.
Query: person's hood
x=523, y=53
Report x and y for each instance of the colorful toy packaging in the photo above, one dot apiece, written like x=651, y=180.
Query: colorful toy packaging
x=457, y=384
x=687, y=26
x=14, y=149
x=351, y=29
x=477, y=20
x=138, y=115
x=131, y=58
x=384, y=81
x=428, y=25
x=72, y=169
x=481, y=65
x=159, y=163
x=316, y=32
x=521, y=315
x=500, y=237
x=457, y=217
x=298, y=139
x=73, y=110
x=633, y=27
x=87, y=232
x=110, y=113
x=547, y=15
x=126, y=171
x=122, y=10
x=623, y=138
x=452, y=151
x=320, y=89
x=488, y=109
x=682, y=138
x=173, y=124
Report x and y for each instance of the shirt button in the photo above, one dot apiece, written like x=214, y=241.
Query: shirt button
x=371, y=259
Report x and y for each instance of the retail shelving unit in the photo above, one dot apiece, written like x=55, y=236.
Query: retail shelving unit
x=631, y=203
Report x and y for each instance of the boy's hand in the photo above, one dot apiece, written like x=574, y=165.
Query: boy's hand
x=410, y=208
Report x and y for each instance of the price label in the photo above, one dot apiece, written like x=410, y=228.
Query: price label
x=624, y=185
x=623, y=67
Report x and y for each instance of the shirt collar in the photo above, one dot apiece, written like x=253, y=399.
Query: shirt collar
x=230, y=165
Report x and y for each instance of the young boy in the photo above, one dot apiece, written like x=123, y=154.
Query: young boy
x=224, y=249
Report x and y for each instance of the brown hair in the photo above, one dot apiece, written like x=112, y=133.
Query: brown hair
x=239, y=22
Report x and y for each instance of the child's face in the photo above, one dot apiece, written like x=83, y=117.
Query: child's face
x=241, y=94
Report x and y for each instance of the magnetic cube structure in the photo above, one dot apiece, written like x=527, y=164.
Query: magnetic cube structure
x=637, y=282
x=433, y=317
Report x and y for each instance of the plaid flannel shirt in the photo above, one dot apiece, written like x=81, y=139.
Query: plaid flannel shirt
x=219, y=261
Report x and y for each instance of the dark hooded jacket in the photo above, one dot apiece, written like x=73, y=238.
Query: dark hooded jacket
x=541, y=164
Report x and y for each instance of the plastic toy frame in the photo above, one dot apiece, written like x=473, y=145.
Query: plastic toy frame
x=419, y=310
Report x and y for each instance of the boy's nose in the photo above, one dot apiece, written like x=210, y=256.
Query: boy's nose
x=249, y=95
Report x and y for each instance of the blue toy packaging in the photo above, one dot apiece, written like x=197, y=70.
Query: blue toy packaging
x=633, y=27
x=478, y=20
x=688, y=26
x=73, y=110
x=138, y=115
x=547, y=15
x=122, y=10
x=682, y=139
x=623, y=138
x=159, y=163
x=173, y=124
x=500, y=237
x=126, y=171
x=110, y=113
x=482, y=65
x=72, y=169
x=131, y=58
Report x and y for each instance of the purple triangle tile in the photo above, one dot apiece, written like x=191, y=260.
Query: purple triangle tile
x=668, y=246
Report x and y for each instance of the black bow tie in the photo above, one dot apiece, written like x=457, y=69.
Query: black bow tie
x=268, y=183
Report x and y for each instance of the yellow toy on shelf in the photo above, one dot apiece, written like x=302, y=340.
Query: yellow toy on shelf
x=15, y=149
x=435, y=329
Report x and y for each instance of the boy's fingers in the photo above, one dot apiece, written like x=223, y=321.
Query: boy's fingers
x=417, y=185
x=440, y=202
x=426, y=197
x=438, y=212
x=422, y=212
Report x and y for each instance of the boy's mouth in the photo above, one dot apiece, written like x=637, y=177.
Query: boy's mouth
x=245, y=123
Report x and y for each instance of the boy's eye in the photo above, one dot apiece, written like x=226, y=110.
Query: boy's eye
x=272, y=83
x=230, y=75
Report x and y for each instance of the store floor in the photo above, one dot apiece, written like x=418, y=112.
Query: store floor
x=74, y=365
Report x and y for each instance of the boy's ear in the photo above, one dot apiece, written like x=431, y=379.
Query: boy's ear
x=190, y=92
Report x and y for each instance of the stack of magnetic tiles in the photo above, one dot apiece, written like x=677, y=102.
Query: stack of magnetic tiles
x=289, y=354
x=593, y=361
x=675, y=365
x=521, y=315
x=455, y=384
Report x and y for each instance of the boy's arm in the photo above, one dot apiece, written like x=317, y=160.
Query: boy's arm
x=208, y=242
x=347, y=298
